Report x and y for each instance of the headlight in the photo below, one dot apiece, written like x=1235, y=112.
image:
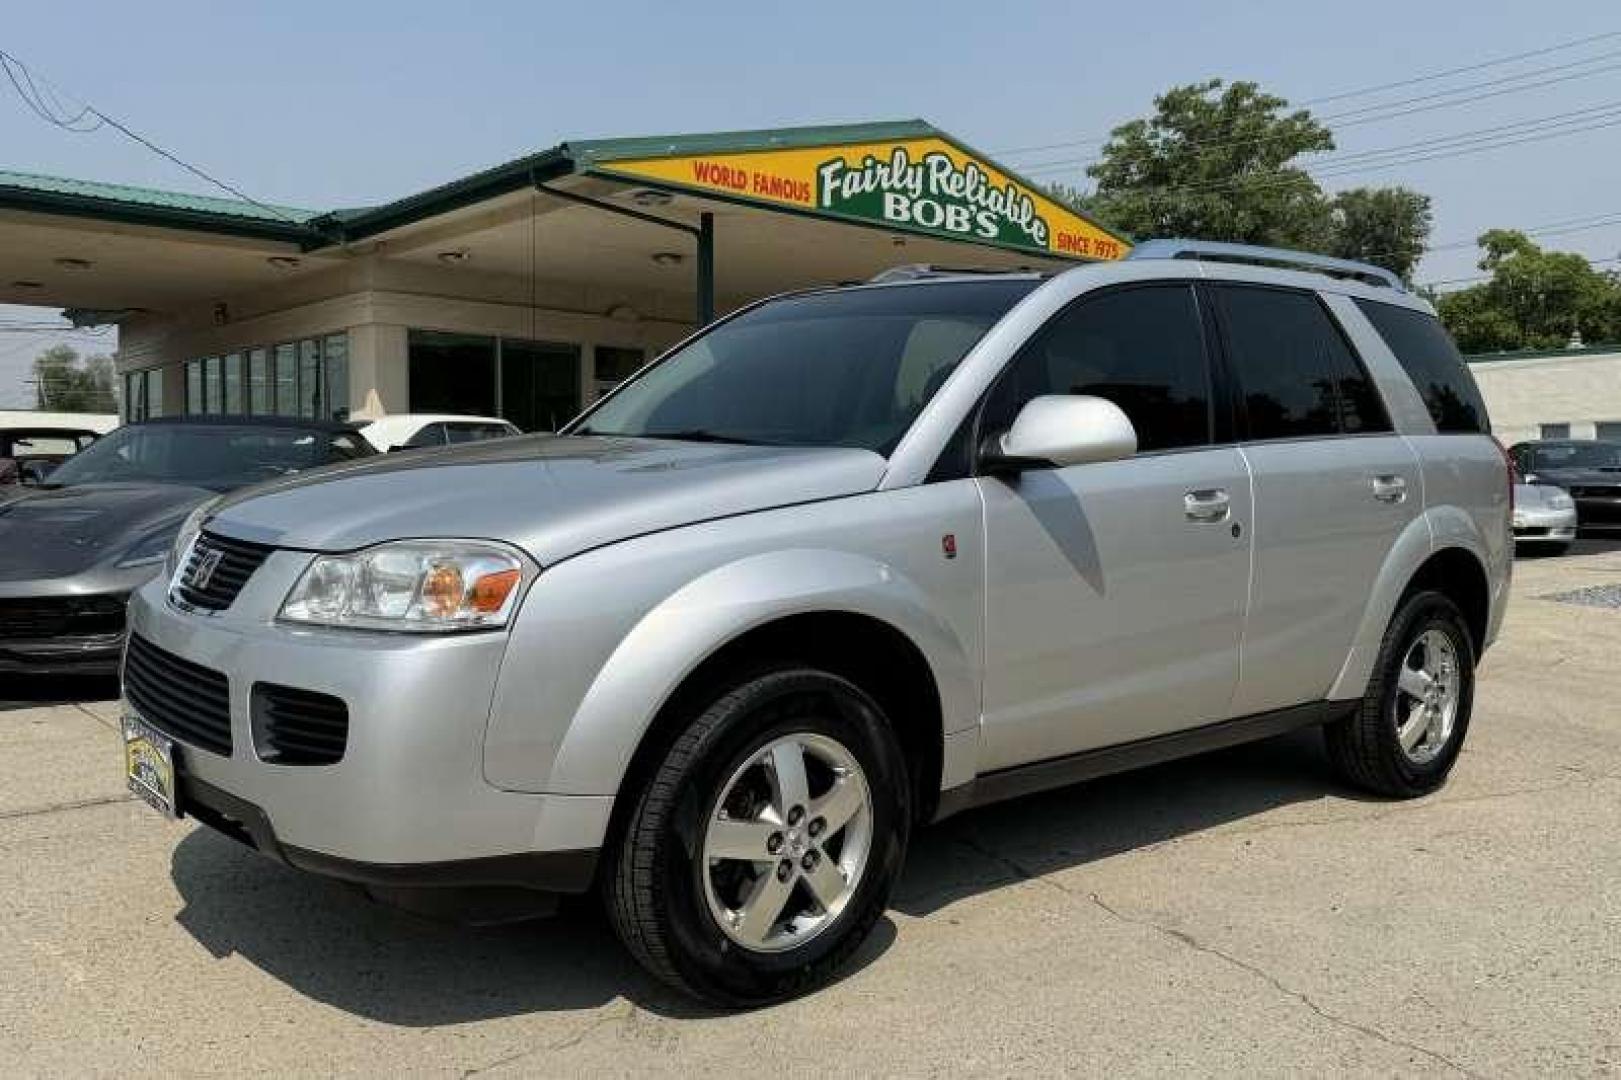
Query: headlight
x=1560, y=500
x=417, y=586
x=188, y=535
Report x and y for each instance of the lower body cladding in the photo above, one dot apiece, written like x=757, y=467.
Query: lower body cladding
x=405, y=809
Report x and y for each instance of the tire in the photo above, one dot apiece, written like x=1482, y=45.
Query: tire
x=1366, y=747
x=667, y=899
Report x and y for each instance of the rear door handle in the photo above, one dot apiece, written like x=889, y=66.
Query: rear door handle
x=1389, y=488
x=1207, y=504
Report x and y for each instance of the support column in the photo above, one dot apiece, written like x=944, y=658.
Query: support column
x=706, y=268
x=379, y=371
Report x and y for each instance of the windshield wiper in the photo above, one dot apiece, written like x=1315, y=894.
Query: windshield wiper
x=698, y=435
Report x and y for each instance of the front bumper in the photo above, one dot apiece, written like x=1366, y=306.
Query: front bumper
x=1540, y=524
x=408, y=799
x=66, y=626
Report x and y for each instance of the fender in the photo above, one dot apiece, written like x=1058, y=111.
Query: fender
x=1437, y=528
x=669, y=642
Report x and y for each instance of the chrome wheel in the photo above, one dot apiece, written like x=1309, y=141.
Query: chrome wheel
x=1428, y=690
x=786, y=842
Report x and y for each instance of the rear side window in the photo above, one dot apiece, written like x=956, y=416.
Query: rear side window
x=426, y=435
x=1431, y=360
x=1142, y=348
x=1297, y=377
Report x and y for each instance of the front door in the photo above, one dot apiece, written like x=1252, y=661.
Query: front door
x=1115, y=592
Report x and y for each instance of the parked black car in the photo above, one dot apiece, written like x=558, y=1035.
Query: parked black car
x=30, y=453
x=102, y=523
x=1590, y=469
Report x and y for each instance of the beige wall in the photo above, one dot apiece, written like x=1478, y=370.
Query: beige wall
x=1524, y=394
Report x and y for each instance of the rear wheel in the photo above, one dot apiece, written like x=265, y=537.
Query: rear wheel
x=766, y=845
x=1405, y=736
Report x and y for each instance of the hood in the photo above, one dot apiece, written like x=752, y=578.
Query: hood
x=46, y=533
x=1584, y=476
x=552, y=496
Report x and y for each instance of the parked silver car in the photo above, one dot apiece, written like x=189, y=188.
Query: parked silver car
x=1544, y=518
x=842, y=564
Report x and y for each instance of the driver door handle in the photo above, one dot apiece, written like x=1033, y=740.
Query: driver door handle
x=1389, y=488
x=1207, y=504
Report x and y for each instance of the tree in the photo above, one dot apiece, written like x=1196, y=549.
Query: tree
x=64, y=383
x=1535, y=299
x=1215, y=163
x=1384, y=226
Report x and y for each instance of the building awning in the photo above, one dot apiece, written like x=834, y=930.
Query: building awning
x=768, y=210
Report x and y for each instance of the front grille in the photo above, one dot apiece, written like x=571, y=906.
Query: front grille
x=58, y=617
x=1587, y=492
x=179, y=698
x=216, y=570
x=298, y=727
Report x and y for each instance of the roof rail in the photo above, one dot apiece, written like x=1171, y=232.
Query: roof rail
x=923, y=271
x=1217, y=251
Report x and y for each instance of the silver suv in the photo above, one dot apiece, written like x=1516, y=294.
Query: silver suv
x=844, y=563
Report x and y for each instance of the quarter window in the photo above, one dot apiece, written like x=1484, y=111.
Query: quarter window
x=1142, y=348
x=1431, y=360
x=1296, y=376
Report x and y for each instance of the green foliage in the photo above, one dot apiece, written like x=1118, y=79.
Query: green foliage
x=1384, y=226
x=1535, y=299
x=64, y=383
x=1220, y=164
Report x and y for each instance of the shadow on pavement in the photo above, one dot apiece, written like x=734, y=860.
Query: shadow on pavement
x=329, y=943
x=32, y=691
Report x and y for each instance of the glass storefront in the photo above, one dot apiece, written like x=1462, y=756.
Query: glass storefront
x=534, y=384
x=308, y=378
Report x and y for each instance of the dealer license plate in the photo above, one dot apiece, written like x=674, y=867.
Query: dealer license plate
x=149, y=765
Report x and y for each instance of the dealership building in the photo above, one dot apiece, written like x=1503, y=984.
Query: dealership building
x=523, y=291
x=1572, y=393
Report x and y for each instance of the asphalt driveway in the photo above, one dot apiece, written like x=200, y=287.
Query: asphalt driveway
x=1239, y=913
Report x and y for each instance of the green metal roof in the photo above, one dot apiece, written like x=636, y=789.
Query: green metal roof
x=141, y=196
x=586, y=151
x=1544, y=354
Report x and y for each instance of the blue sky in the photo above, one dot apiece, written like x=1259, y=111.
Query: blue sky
x=341, y=104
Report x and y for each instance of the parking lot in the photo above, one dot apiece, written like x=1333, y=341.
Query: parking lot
x=1237, y=913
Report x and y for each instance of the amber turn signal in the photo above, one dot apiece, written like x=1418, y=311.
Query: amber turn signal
x=491, y=590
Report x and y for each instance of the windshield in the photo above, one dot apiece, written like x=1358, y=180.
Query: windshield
x=843, y=368
x=1576, y=455
x=216, y=456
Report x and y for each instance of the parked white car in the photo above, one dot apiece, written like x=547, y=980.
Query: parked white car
x=1544, y=518
x=409, y=431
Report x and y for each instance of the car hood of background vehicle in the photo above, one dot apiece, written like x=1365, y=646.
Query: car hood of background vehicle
x=552, y=496
x=53, y=533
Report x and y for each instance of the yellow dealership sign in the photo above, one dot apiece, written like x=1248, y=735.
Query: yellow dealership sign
x=927, y=185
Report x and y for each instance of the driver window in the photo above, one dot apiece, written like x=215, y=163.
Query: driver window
x=1140, y=347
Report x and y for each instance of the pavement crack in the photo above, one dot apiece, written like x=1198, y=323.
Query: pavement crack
x=104, y=721
x=583, y=1032
x=1344, y=1023
x=56, y=808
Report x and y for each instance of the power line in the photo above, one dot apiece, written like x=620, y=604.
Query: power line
x=37, y=104
x=1488, y=277
x=1096, y=140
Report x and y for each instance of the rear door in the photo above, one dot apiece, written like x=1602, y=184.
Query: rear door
x=1115, y=591
x=1334, y=486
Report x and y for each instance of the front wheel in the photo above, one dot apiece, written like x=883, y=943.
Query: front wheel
x=1406, y=734
x=766, y=844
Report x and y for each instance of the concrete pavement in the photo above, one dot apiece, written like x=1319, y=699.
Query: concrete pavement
x=1239, y=913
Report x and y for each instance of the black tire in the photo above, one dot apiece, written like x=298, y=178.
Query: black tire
x=653, y=888
x=1364, y=747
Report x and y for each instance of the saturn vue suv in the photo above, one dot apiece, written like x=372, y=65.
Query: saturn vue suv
x=841, y=564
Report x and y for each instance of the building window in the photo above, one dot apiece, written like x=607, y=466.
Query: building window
x=213, y=386
x=540, y=384
x=612, y=365
x=286, y=380
x=233, y=384
x=1608, y=429
x=451, y=373
x=1555, y=431
x=310, y=397
x=335, y=377
x=259, y=382
x=194, y=387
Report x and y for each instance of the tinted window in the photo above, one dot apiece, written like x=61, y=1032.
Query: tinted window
x=465, y=432
x=850, y=367
x=427, y=435
x=1432, y=362
x=217, y=456
x=1531, y=457
x=1142, y=348
x=1296, y=375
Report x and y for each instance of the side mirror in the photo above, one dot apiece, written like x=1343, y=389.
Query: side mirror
x=1059, y=430
x=1529, y=478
